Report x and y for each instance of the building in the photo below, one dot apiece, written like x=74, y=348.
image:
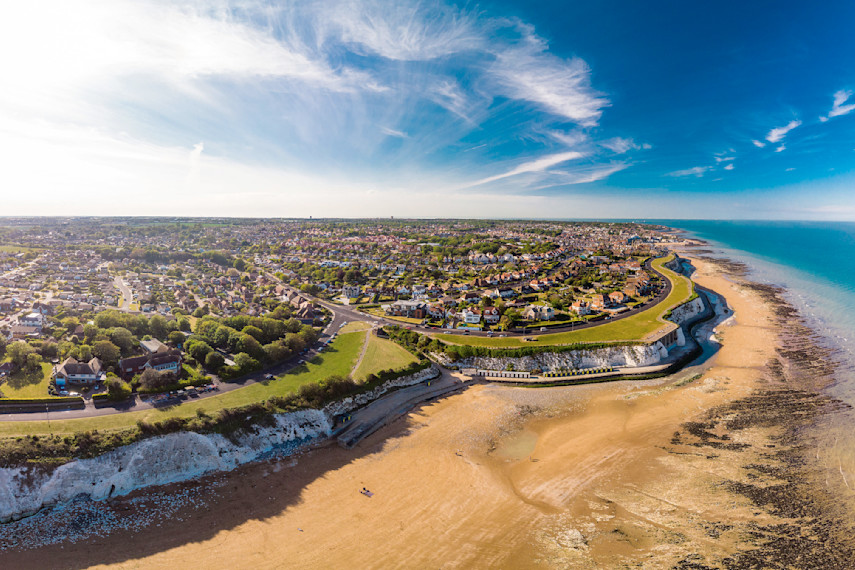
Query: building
x=152, y=346
x=491, y=315
x=410, y=309
x=351, y=291
x=34, y=319
x=165, y=361
x=539, y=313
x=73, y=372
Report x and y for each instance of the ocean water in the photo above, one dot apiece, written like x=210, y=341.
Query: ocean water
x=815, y=263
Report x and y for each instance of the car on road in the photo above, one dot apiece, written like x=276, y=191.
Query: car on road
x=268, y=376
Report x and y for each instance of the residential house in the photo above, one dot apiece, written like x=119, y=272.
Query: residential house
x=491, y=315
x=413, y=309
x=539, y=313
x=73, y=372
x=471, y=316
x=168, y=360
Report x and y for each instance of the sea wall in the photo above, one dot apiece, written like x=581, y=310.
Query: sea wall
x=174, y=457
x=619, y=356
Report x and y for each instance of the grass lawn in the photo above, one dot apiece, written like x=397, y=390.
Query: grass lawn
x=636, y=327
x=382, y=354
x=25, y=384
x=354, y=326
x=382, y=313
x=338, y=359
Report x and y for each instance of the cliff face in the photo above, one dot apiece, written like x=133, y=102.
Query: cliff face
x=173, y=457
x=686, y=311
x=619, y=356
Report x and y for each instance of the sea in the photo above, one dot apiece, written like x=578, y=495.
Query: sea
x=814, y=262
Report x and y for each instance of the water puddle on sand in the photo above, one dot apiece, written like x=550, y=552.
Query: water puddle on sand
x=517, y=446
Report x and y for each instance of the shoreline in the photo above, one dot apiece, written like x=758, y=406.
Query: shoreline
x=572, y=495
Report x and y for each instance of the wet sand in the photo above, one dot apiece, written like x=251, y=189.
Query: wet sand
x=708, y=473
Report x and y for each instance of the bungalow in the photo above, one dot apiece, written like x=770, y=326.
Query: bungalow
x=436, y=311
x=73, y=372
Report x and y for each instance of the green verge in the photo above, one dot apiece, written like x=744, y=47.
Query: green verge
x=382, y=354
x=338, y=359
x=633, y=328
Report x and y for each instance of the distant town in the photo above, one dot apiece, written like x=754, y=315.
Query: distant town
x=117, y=305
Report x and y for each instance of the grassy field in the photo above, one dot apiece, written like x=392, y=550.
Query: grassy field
x=354, y=326
x=382, y=313
x=28, y=384
x=382, y=354
x=338, y=359
x=17, y=249
x=636, y=327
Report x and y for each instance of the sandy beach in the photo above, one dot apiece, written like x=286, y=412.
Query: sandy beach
x=684, y=472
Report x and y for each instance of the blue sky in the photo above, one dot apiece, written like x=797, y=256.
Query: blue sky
x=495, y=109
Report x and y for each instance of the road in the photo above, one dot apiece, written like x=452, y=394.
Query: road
x=127, y=294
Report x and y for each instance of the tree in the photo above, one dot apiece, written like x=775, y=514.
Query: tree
x=151, y=380
x=198, y=349
x=246, y=363
x=2, y=345
x=157, y=327
x=175, y=338
x=254, y=332
x=214, y=361
x=239, y=264
x=107, y=351
x=89, y=332
x=33, y=361
x=122, y=338
x=117, y=389
x=18, y=351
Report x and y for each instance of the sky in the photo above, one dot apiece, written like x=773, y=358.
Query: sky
x=506, y=109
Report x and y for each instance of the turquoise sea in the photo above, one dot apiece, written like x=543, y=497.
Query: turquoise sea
x=815, y=263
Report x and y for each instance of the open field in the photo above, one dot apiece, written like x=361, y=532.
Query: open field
x=382, y=354
x=17, y=249
x=355, y=326
x=24, y=384
x=338, y=359
x=636, y=327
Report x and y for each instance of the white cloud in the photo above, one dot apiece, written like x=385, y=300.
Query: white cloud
x=698, y=171
x=778, y=133
x=781, y=148
x=620, y=145
x=404, y=31
x=586, y=174
x=537, y=165
x=527, y=71
x=719, y=159
x=838, y=108
x=729, y=166
x=394, y=133
x=758, y=144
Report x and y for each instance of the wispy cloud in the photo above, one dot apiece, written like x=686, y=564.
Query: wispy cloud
x=527, y=71
x=781, y=148
x=758, y=144
x=537, y=165
x=697, y=171
x=729, y=166
x=838, y=107
x=778, y=133
x=394, y=133
x=619, y=145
